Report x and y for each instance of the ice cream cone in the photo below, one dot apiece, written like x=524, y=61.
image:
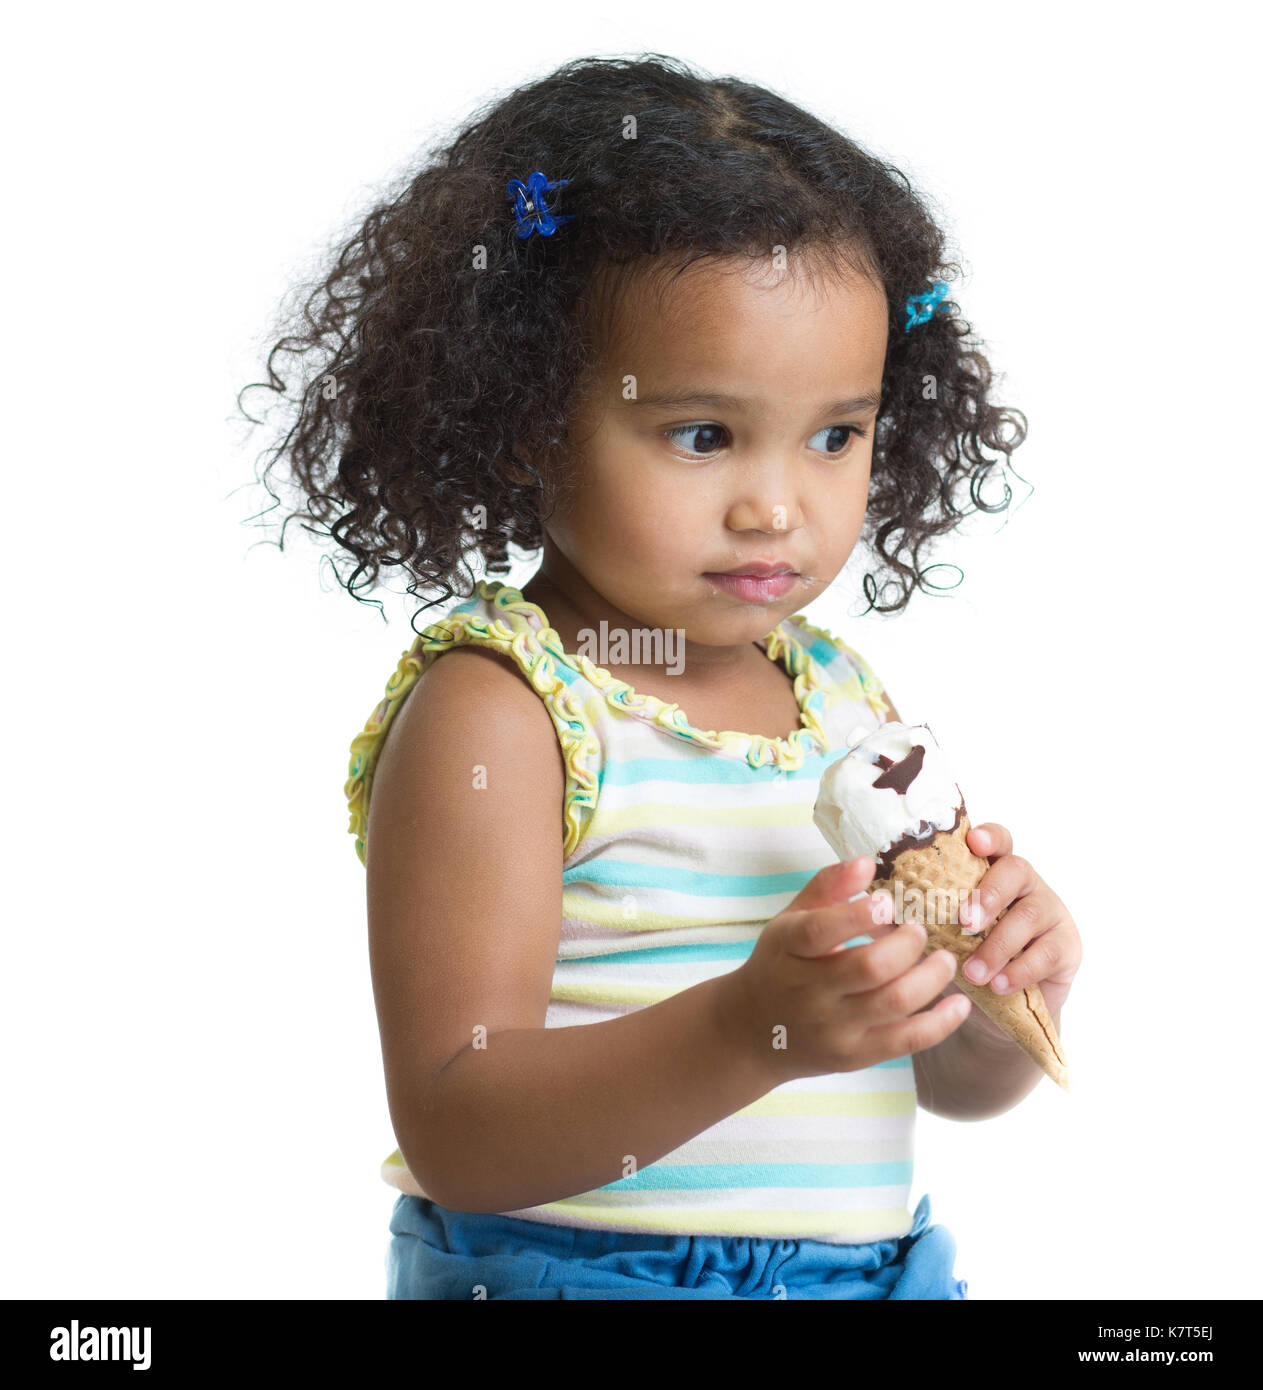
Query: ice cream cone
x=946, y=871
x=892, y=796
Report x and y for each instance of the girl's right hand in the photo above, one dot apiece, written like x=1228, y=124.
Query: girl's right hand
x=805, y=1004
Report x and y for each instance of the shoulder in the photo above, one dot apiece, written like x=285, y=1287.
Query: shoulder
x=471, y=725
x=469, y=702
x=841, y=663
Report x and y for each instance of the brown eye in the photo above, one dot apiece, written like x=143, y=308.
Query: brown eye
x=837, y=436
x=709, y=437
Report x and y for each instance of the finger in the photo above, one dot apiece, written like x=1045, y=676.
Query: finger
x=1026, y=919
x=916, y=1033
x=1007, y=879
x=910, y=991
x=989, y=840
x=835, y=884
x=866, y=968
x=1052, y=953
x=979, y=1019
x=822, y=931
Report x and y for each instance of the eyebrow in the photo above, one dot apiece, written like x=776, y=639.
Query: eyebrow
x=848, y=406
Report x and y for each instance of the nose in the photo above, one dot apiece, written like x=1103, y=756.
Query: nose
x=770, y=509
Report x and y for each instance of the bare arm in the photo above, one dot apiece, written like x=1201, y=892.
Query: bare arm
x=464, y=886
x=972, y=1075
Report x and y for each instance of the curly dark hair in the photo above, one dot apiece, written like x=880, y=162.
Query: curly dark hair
x=440, y=355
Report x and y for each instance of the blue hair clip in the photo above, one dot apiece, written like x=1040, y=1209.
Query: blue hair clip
x=921, y=307
x=533, y=214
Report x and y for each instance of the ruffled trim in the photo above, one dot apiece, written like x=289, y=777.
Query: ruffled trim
x=525, y=634
x=514, y=637
x=863, y=684
x=757, y=750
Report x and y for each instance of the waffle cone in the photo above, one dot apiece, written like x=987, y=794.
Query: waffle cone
x=948, y=863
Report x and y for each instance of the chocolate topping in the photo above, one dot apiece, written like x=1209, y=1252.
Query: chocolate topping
x=900, y=775
x=923, y=834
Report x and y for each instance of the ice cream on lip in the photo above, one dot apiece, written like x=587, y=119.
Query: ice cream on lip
x=891, y=791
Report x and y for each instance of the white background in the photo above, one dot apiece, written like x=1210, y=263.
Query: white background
x=193, y=1095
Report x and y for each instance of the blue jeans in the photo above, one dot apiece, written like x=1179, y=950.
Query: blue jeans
x=436, y=1253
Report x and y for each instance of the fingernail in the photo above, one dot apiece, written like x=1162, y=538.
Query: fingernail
x=976, y=971
x=966, y=913
x=1000, y=982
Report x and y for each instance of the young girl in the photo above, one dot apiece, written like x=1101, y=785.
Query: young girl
x=643, y=1037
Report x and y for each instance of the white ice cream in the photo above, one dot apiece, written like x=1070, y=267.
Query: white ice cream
x=858, y=818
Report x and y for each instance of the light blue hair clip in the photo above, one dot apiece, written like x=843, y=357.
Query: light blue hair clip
x=533, y=214
x=921, y=307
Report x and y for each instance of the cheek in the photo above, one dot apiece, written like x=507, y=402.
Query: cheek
x=647, y=534
x=634, y=513
x=604, y=527
x=838, y=512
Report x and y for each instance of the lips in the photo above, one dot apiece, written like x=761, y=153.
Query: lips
x=754, y=583
x=758, y=570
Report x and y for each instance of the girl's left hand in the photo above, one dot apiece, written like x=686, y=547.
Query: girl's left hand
x=1035, y=942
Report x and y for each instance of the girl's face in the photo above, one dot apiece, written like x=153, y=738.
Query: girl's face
x=732, y=422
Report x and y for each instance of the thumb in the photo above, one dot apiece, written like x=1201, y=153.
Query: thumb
x=835, y=884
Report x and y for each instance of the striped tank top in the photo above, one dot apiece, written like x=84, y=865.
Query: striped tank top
x=679, y=845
